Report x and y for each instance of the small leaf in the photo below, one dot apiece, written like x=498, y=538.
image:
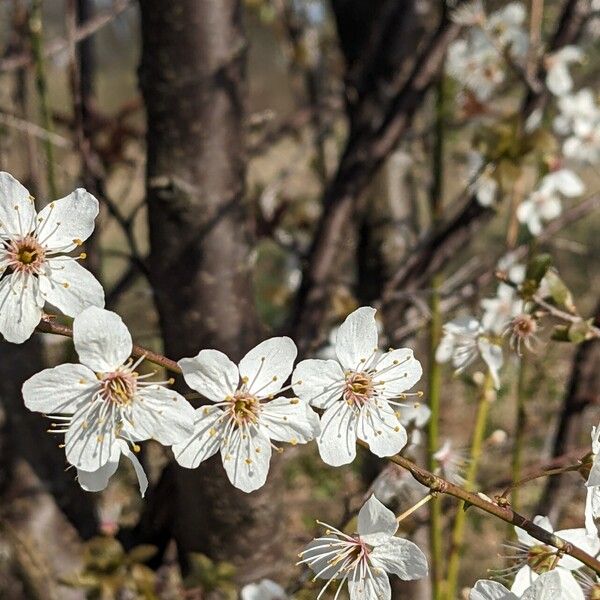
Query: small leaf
x=141, y=554
x=580, y=331
x=538, y=267
x=559, y=292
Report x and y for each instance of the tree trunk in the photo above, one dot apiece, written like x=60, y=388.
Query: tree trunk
x=192, y=77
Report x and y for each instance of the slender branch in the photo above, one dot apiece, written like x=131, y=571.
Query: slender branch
x=57, y=46
x=435, y=483
x=48, y=326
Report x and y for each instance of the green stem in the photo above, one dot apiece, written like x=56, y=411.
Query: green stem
x=521, y=419
x=37, y=51
x=458, y=530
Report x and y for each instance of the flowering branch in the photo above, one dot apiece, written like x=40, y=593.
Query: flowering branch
x=48, y=326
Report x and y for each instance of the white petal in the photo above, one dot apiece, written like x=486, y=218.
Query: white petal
x=90, y=441
x=376, y=587
x=211, y=373
x=592, y=510
x=246, y=457
x=379, y=427
x=289, y=420
x=550, y=209
x=319, y=565
x=376, y=523
x=337, y=441
x=162, y=415
x=96, y=481
x=547, y=586
x=570, y=589
x=399, y=370
x=402, y=558
x=20, y=307
x=568, y=183
x=70, y=287
x=492, y=356
x=318, y=382
x=558, y=80
x=65, y=223
x=580, y=539
x=485, y=589
x=205, y=441
x=523, y=580
x=101, y=339
x=60, y=390
x=357, y=338
x=265, y=590
x=445, y=348
x=267, y=366
x=17, y=211
x=137, y=467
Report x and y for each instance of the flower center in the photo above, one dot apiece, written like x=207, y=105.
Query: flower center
x=119, y=387
x=541, y=559
x=359, y=388
x=25, y=255
x=244, y=408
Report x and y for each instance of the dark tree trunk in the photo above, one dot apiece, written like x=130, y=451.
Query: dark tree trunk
x=192, y=77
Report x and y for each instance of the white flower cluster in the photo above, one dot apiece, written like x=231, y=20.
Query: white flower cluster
x=478, y=61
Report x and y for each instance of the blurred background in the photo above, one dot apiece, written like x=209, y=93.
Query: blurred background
x=265, y=167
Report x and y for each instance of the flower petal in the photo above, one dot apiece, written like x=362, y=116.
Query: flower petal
x=547, y=586
x=211, y=373
x=70, y=287
x=357, y=338
x=137, y=467
x=60, y=390
x=376, y=585
x=317, y=556
x=376, y=523
x=101, y=339
x=400, y=557
x=205, y=441
x=523, y=579
x=592, y=510
x=318, y=382
x=485, y=589
x=337, y=441
x=17, y=210
x=580, y=538
x=162, y=415
x=65, y=223
x=379, y=427
x=20, y=307
x=267, y=366
x=246, y=457
x=492, y=356
x=90, y=440
x=289, y=420
x=264, y=590
x=399, y=371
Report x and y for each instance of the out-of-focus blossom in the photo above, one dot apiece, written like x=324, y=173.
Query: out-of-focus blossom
x=558, y=77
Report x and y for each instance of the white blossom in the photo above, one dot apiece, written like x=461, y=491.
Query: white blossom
x=245, y=415
x=558, y=77
x=544, y=204
x=463, y=340
x=499, y=311
x=103, y=404
x=576, y=111
x=364, y=559
x=546, y=587
x=358, y=391
x=534, y=558
x=263, y=590
x=505, y=27
x=592, y=504
x=452, y=462
x=470, y=13
x=35, y=265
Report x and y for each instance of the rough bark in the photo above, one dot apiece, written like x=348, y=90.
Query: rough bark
x=192, y=78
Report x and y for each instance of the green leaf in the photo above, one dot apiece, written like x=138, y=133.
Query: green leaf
x=141, y=554
x=538, y=267
x=579, y=332
x=559, y=292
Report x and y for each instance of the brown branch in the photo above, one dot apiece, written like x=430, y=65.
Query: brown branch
x=84, y=31
x=48, y=326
